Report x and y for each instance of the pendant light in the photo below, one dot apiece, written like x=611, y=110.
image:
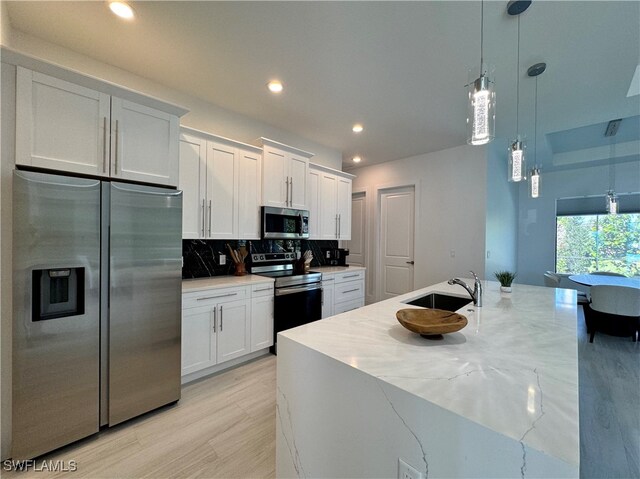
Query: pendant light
x=534, y=176
x=612, y=204
x=516, y=150
x=481, y=118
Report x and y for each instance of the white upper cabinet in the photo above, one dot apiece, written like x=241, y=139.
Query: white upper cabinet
x=221, y=191
x=64, y=126
x=220, y=180
x=60, y=125
x=332, y=215
x=285, y=174
x=144, y=143
x=193, y=152
x=249, y=193
x=313, y=203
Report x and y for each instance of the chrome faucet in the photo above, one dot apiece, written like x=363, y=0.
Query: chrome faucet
x=476, y=294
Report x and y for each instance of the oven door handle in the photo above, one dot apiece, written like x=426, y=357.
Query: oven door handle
x=297, y=289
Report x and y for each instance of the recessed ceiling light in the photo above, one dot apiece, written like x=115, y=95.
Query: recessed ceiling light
x=357, y=159
x=357, y=128
x=122, y=9
x=275, y=86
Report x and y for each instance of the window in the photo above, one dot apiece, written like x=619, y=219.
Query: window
x=587, y=243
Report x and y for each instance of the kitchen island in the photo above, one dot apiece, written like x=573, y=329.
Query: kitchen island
x=499, y=398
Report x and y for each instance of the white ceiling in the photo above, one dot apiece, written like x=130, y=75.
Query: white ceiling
x=397, y=67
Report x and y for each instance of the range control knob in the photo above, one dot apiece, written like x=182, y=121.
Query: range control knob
x=261, y=256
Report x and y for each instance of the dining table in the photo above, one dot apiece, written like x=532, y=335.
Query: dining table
x=605, y=279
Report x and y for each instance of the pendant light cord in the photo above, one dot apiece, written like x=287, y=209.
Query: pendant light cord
x=535, y=128
x=481, y=34
x=518, y=84
x=612, y=176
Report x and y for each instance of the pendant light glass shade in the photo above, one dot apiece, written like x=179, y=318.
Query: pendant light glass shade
x=481, y=116
x=534, y=183
x=612, y=203
x=517, y=161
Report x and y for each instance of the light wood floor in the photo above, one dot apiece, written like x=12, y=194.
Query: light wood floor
x=224, y=426
x=609, y=405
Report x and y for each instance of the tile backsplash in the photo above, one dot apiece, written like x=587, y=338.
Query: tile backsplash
x=201, y=257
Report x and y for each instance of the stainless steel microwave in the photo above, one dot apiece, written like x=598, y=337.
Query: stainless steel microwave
x=284, y=223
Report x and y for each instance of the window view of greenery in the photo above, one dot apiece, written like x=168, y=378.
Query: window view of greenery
x=598, y=243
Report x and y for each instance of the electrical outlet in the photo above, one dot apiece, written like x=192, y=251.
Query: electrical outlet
x=405, y=471
x=223, y=259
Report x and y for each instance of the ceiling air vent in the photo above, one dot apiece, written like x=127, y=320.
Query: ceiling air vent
x=612, y=127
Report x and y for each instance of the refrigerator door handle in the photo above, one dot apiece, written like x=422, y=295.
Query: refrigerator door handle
x=122, y=187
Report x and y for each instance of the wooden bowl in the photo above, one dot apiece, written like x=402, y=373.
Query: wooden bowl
x=431, y=323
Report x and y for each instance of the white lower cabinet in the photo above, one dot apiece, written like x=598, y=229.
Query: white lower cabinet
x=225, y=323
x=328, y=290
x=342, y=292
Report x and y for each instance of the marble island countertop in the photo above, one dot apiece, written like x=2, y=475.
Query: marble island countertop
x=513, y=369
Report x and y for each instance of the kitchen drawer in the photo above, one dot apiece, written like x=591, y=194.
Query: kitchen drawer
x=349, y=276
x=264, y=289
x=349, y=291
x=213, y=296
x=348, y=306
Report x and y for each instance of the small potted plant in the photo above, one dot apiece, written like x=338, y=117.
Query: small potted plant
x=505, y=278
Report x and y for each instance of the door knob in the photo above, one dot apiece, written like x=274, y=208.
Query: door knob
x=410, y=262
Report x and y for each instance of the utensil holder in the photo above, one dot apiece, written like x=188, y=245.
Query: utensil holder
x=240, y=269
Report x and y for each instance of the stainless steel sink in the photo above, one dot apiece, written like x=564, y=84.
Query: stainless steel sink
x=440, y=301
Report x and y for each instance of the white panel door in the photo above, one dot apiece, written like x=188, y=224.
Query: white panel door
x=193, y=154
x=343, y=208
x=357, y=244
x=396, y=242
x=233, y=330
x=249, y=194
x=261, y=323
x=274, y=175
x=298, y=175
x=328, y=214
x=313, y=203
x=198, y=339
x=61, y=126
x=221, y=187
x=144, y=143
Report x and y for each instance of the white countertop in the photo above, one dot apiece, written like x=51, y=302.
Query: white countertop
x=336, y=269
x=201, y=284
x=513, y=368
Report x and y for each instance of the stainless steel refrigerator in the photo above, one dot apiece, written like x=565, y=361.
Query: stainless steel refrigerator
x=97, y=304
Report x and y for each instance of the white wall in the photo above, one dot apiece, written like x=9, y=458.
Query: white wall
x=202, y=115
x=502, y=213
x=450, y=214
x=537, y=221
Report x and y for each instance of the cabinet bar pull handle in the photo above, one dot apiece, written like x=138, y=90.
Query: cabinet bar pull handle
x=220, y=318
x=291, y=197
x=117, y=138
x=350, y=290
x=339, y=226
x=203, y=217
x=351, y=276
x=286, y=182
x=104, y=145
x=215, y=318
x=263, y=289
x=336, y=221
x=217, y=296
x=209, y=217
